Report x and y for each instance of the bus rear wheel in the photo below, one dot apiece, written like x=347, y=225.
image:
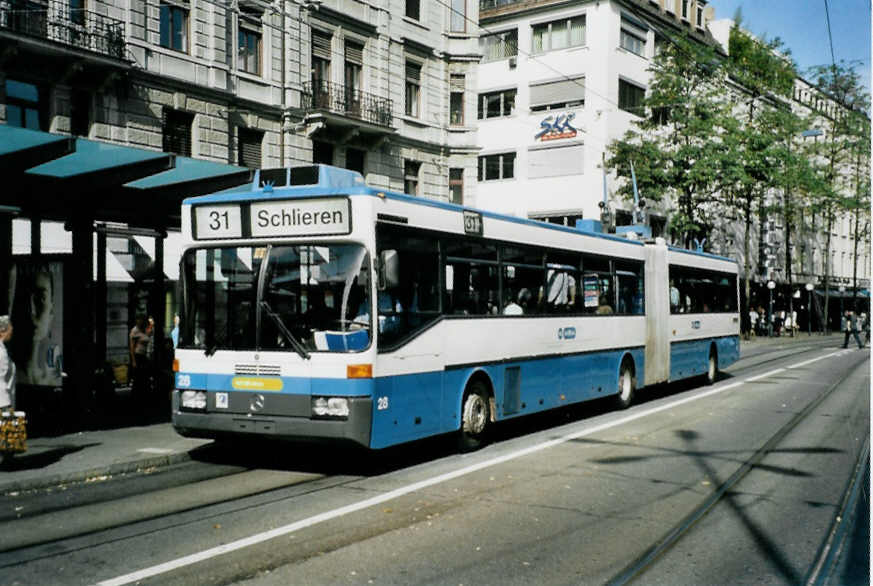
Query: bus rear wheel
x=626, y=386
x=711, y=367
x=475, y=417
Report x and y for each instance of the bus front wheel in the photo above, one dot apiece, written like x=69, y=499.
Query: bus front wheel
x=475, y=417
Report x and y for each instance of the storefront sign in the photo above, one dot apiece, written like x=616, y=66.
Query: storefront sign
x=298, y=217
x=556, y=127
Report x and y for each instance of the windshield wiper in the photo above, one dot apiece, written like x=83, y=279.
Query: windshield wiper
x=285, y=331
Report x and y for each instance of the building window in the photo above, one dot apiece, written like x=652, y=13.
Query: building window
x=458, y=19
x=633, y=36
x=411, y=170
x=456, y=186
x=80, y=113
x=700, y=22
x=559, y=34
x=354, y=65
x=499, y=166
x=249, y=151
x=564, y=93
x=320, y=71
x=685, y=4
x=496, y=104
x=322, y=153
x=457, y=85
x=177, y=132
x=77, y=12
x=413, y=89
x=413, y=9
x=630, y=97
x=249, y=56
x=499, y=46
x=355, y=160
x=23, y=105
x=174, y=27
x=556, y=161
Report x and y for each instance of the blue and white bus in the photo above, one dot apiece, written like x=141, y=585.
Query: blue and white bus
x=318, y=308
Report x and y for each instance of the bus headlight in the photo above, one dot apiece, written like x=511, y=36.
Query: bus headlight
x=194, y=400
x=335, y=407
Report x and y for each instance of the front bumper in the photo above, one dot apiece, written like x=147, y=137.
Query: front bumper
x=217, y=425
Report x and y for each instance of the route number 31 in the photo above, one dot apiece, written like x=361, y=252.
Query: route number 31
x=219, y=220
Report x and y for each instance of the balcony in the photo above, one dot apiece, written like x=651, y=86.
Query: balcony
x=334, y=98
x=490, y=8
x=58, y=23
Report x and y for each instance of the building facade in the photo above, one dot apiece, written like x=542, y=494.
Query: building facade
x=560, y=81
x=384, y=87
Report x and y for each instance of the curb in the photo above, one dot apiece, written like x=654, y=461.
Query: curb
x=82, y=476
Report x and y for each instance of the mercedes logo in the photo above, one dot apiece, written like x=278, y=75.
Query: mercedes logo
x=256, y=403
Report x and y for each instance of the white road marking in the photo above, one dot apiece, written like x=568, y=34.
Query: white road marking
x=765, y=375
x=422, y=484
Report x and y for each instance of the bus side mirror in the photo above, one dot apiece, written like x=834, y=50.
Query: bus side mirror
x=389, y=269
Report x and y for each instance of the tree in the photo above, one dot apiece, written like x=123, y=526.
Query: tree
x=762, y=76
x=841, y=85
x=674, y=145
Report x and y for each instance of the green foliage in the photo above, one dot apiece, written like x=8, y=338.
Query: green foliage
x=679, y=161
x=760, y=67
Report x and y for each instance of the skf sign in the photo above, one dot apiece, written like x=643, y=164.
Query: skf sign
x=553, y=128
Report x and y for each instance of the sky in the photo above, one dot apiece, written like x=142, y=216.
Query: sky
x=802, y=27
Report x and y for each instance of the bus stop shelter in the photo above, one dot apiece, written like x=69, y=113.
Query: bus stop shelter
x=93, y=188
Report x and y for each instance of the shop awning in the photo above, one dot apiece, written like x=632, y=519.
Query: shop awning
x=847, y=294
x=59, y=177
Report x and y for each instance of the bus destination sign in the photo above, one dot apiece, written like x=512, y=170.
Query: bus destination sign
x=297, y=217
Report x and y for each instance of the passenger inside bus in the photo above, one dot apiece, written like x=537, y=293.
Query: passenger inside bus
x=604, y=308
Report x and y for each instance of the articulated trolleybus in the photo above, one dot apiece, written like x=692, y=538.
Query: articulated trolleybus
x=318, y=308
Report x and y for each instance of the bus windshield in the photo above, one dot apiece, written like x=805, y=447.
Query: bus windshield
x=297, y=298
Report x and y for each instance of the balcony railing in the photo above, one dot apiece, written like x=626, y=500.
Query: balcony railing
x=337, y=98
x=58, y=22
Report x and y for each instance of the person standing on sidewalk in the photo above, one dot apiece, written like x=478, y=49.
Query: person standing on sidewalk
x=851, y=328
x=139, y=359
x=7, y=367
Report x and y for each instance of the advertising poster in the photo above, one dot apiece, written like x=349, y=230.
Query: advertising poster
x=591, y=291
x=37, y=318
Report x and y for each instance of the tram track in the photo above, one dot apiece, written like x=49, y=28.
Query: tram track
x=638, y=567
x=57, y=533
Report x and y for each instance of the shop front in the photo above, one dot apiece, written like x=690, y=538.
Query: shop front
x=89, y=240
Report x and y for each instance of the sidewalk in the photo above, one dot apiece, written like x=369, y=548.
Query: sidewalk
x=90, y=455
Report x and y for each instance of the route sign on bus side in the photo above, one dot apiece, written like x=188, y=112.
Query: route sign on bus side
x=473, y=223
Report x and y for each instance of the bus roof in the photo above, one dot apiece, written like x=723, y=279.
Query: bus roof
x=320, y=180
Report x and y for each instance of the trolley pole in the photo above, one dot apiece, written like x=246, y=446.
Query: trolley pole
x=770, y=285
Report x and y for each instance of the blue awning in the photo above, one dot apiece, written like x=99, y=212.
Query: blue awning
x=56, y=177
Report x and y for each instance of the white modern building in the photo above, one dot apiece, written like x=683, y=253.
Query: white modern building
x=558, y=82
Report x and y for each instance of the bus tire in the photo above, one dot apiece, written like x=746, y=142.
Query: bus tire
x=626, y=385
x=712, y=367
x=475, y=417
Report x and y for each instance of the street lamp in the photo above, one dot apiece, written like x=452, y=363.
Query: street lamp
x=809, y=288
x=770, y=285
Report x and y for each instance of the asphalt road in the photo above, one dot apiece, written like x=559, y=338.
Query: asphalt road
x=735, y=483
